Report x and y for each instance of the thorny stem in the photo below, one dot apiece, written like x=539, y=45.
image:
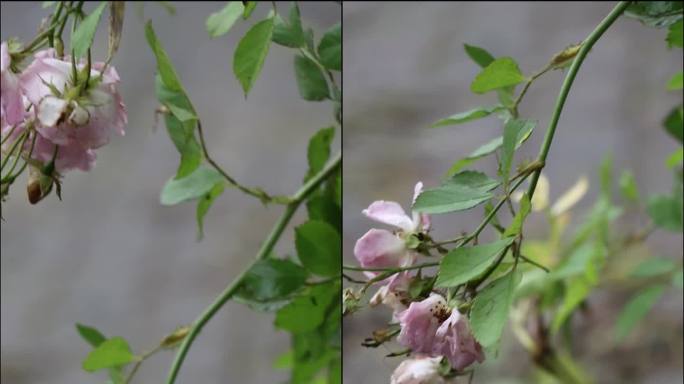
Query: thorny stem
x=277, y=230
x=567, y=84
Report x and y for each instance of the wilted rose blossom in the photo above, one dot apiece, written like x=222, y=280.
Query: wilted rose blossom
x=419, y=370
x=419, y=323
x=454, y=340
x=380, y=248
x=11, y=107
x=392, y=293
x=65, y=117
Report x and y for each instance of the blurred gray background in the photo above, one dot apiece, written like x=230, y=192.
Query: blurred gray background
x=405, y=68
x=109, y=255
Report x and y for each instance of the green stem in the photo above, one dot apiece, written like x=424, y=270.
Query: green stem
x=567, y=84
x=137, y=365
x=263, y=253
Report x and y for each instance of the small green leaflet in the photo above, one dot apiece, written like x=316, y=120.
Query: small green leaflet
x=205, y=203
x=164, y=67
x=110, y=353
x=464, y=117
x=305, y=313
x=249, y=8
x=636, y=309
x=676, y=82
x=310, y=80
x=479, y=55
x=289, y=34
x=576, y=291
x=513, y=131
x=456, y=194
x=318, y=247
x=272, y=279
x=90, y=334
x=219, y=23
x=674, y=123
x=489, y=148
x=674, y=35
x=653, y=267
x=675, y=158
x=330, y=48
x=318, y=151
x=628, y=186
x=500, y=73
x=83, y=36
x=658, y=14
x=517, y=223
x=251, y=52
x=666, y=212
x=193, y=186
x=466, y=263
x=489, y=312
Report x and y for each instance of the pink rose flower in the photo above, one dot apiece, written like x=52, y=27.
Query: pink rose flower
x=393, y=293
x=420, y=321
x=11, y=106
x=418, y=370
x=380, y=248
x=454, y=340
x=65, y=117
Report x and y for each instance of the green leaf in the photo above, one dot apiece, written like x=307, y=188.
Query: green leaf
x=479, y=55
x=464, y=191
x=205, y=203
x=666, y=212
x=289, y=34
x=251, y=52
x=636, y=309
x=90, y=334
x=330, y=48
x=628, y=186
x=577, y=290
x=676, y=82
x=310, y=80
x=488, y=149
x=271, y=280
x=324, y=208
x=517, y=223
x=219, y=23
x=500, y=73
x=653, y=267
x=193, y=186
x=489, y=312
x=318, y=151
x=513, y=130
x=674, y=38
x=318, y=247
x=675, y=158
x=249, y=8
x=464, y=117
x=463, y=264
x=657, y=14
x=305, y=313
x=284, y=361
x=674, y=123
x=164, y=66
x=83, y=36
x=111, y=353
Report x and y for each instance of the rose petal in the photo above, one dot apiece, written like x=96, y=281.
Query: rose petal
x=389, y=212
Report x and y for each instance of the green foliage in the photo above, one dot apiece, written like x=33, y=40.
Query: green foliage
x=653, y=267
x=636, y=309
x=250, y=6
x=82, y=39
x=290, y=34
x=270, y=283
x=676, y=82
x=628, y=186
x=464, y=117
x=193, y=186
x=204, y=203
x=489, y=312
x=330, y=48
x=657, y=14
x=90, y=334
x=674, y=123
x=308, y=311
x=219, y=23
x=666, y=212
x=500, y=73
x=514, y=132
x=310, y=80
x=110, y=353
x=674, y=35
x=463, y=191
x=516, y=225
x=319, y=247
x=463, y=264
x=251, y=52
x=479, y=55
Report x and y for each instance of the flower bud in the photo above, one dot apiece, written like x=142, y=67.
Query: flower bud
x=176, y=337
x=564, y=58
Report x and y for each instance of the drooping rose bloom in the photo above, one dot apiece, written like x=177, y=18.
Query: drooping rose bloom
x=380, y=248
x=66, y=116
x=419, y=323
x=11, y=107
x=454, y=340
x=418, y=370
x=393, y=293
